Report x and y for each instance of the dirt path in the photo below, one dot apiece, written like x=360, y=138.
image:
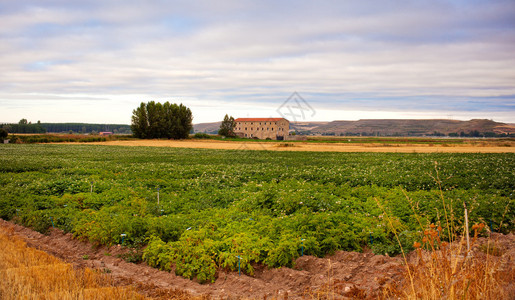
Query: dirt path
x=341, y=274
x=316, y=147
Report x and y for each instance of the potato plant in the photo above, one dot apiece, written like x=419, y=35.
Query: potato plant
x=219, y=209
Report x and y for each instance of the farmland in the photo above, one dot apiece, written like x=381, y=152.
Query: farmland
x=220, y=209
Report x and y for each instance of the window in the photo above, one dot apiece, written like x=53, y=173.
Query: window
x=245, y=128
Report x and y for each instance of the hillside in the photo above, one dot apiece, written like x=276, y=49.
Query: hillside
x=207, y=127
x=389, y=127
x=399, y=127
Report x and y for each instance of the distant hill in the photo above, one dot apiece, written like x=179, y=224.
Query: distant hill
x=211, y=128
x=306, y=126
x=391, y=127
x=400, y=127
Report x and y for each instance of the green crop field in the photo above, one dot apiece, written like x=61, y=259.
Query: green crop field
x=220, y=207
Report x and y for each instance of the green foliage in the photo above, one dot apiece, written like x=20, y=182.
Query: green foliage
x=133, y=256
x=3, y=134
x=24, y=126
x=201, y=135
x=49, y=138
x=227, y=127
x=155, y=120
x=158, y=254
x=218, y=205
x=86, y=128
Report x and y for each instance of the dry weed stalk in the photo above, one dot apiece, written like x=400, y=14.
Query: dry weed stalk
x=446, y=270
x=27, y=273
x=440, y=269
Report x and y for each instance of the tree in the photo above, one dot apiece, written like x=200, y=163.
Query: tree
x=139, y=123
x=227, y=127
x=3, y=134
x=155, y=120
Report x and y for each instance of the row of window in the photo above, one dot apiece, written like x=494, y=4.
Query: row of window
x=252, y=123
x=262, y=129
x=249, y=135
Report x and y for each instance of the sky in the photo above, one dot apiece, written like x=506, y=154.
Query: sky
x=96, y=61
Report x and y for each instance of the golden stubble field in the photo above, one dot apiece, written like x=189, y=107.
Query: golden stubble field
x=483, y=147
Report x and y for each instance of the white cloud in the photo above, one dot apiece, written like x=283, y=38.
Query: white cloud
x=226, y=54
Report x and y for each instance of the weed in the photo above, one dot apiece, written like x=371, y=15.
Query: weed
x=491, y=249
x=133, y=256
x=286, y=145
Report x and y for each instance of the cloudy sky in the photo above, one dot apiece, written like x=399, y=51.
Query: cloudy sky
x=95, y=61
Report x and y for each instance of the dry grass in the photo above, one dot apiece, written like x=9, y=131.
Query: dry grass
x=449, y=271
x=315, y=147
x=27, y=273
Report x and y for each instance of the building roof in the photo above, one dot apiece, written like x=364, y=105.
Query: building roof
x=259, y=119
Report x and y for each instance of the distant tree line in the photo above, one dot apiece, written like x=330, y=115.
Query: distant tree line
x=473, y=133
x=476, y=133
x=24, y=126
x=153, y=120
x=87, y=128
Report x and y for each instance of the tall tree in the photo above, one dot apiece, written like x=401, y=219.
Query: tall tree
x=156, y=120
x=227, y=127
x=139, y=124
x=185, y=121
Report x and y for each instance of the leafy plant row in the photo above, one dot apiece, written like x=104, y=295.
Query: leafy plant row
x=223, y=209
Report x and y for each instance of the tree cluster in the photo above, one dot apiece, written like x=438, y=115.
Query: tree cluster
x=227, y=127
x=155, y=120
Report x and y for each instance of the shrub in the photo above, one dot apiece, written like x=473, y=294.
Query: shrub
x=201, y=135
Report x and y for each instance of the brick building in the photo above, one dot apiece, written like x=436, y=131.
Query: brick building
x=262, y=128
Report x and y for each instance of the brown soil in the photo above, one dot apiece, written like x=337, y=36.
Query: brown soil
x=319, y=147
x=344, y=275
x=311, y=277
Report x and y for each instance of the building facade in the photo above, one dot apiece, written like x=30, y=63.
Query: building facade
x=262, y=128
